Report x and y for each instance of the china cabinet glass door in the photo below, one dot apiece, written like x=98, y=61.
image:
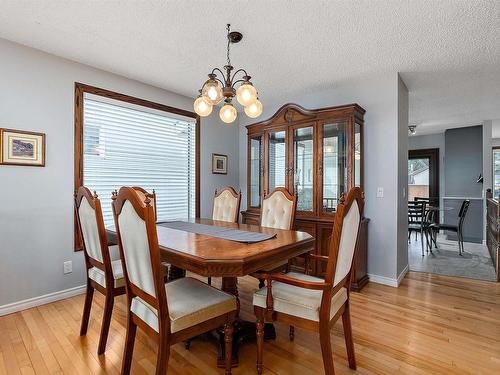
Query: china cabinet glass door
x=277, y=161
x=333, y=163
x=358, y=157
x=256, y=170
x=303, y=168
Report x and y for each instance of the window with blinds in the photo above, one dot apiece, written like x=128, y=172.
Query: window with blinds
x=130, y=145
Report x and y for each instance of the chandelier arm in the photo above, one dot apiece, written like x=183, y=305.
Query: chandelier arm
x=235, y=82
x=221, y=73
x=238, y=71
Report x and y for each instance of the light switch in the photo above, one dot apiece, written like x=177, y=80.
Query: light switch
x=380, y=192
x=68, y=267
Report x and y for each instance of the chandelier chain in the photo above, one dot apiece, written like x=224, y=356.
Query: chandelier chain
x=228, y=44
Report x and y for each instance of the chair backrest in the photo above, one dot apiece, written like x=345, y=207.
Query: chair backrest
x=463, y=211
x=344, y=237
x=91, y=225
x=416, y=212
x=278, y=209
x=226, y=205
x=140, y=254
x=142, y=195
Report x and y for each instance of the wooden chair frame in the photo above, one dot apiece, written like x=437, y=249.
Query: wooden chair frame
x=152, y=195
x=109, y=291
x=164, y=337
x=328, y=289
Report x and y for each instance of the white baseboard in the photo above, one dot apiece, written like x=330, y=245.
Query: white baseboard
x=41, y=300
x=389, y=280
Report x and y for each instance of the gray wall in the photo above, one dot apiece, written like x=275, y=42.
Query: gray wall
x=402, y=225
x=36, y=204
x=464, y=162
x=379, y=96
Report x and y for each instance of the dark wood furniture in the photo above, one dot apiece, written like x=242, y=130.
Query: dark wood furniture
x=98, y=261
x=211, y=256
x=330, y=296
x=493, y=230
x=80, y=90
x=156, y=296
x=417, y=223
x=316, y=155
x=457, y=228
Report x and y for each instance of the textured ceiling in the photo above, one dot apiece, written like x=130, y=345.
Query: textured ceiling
x=447, y=51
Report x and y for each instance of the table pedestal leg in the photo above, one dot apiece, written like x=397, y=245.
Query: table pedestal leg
x=243, y=330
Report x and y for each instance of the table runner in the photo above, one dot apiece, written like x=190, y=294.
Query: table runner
x=219, y=232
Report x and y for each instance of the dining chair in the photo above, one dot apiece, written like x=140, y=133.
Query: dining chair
x=142, y=193
x=167, y=312
x=458, y=228
x=278, y=211
x=310, y=302
x=103, y=274
x=416, y=221
x=226, y=207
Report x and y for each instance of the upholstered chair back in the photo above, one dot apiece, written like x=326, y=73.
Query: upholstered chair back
x=88, y=222
x=142, y=196
x=133, y=238
x=278, y=209
x=345, y=235
x=226, y=205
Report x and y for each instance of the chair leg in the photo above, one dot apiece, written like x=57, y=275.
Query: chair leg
x=209, y=280
x=346, y=322
x=162, y=356
x=129, y=345
x=291, y=333
x=86, y=309
x=228, y=341
x=422, y=240
x=326, y=347
x=261, y=283
x=106, y=321
x=260, y=338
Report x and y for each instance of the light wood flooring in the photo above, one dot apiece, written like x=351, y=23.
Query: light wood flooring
x=430, y=325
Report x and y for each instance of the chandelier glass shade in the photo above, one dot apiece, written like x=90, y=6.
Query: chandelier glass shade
x=223, y=84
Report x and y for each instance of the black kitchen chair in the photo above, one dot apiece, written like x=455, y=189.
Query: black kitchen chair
x=455, y=228
x=416, y=220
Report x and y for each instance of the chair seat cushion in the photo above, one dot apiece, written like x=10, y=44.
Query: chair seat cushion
x=98, y=275
x=296, y=301
x=190, y=302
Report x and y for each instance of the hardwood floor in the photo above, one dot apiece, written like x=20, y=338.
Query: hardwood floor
x=430, y=325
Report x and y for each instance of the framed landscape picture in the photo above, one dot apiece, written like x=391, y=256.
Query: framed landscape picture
x=219, y=164
x=19, y=147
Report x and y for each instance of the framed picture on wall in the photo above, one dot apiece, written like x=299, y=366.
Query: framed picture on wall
x=19, y=147
x=219, y=164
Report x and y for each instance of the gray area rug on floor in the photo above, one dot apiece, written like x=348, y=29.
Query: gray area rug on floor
x=475, y=263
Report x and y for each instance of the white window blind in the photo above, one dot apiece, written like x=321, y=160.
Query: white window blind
x=135, y=146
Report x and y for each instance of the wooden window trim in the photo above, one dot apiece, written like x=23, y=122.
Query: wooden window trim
x=80, y=90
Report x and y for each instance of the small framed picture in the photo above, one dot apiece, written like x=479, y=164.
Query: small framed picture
x=219, y=164
x=19, y=147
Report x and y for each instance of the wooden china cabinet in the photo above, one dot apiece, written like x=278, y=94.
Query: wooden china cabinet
x=315, y=154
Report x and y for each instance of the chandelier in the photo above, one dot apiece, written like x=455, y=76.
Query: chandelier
x=216, y=89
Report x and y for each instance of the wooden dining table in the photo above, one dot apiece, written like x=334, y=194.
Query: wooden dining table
x=216, y=257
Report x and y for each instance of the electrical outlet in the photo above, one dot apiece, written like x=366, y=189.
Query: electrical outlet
x=380, y=192
x=68, y=267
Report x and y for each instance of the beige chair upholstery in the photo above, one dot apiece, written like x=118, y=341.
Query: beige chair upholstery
x=277, y=211
x=225, y=206
x=98, y=275
x=300, y=302
x=190, y=302
x=347, y=243
x=88, y=223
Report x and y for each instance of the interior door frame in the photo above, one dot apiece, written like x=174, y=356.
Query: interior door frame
x=433, y=155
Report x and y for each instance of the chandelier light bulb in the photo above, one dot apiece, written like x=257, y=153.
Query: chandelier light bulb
x=254, y=109
x=202, y=106
x=228, y=113
x=246, y=94
x=212, y=90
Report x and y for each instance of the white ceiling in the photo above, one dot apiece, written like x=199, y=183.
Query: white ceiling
x=448, y=51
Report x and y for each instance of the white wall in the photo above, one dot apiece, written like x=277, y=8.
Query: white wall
x=378, y=95
x=36, y=204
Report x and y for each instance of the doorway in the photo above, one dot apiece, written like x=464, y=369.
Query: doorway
x=423, y=175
